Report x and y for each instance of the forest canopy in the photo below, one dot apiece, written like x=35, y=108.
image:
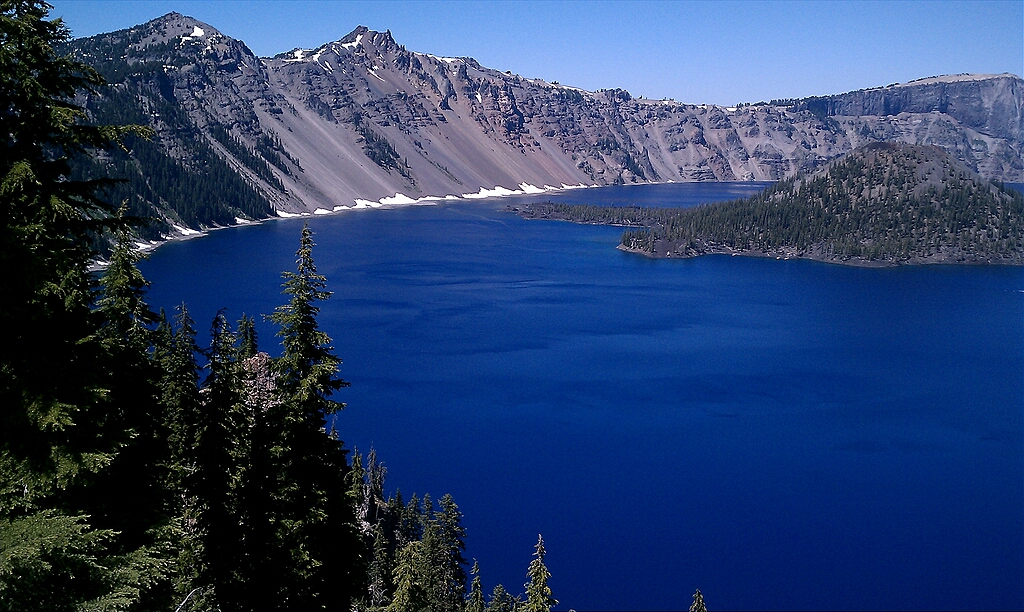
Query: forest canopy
x=144, y=469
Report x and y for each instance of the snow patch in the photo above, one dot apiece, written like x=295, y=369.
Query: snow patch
x=373, y=72
x=241, y=221
x=443, y=59
x=528, y=188
x=353, y=44
x=324, y=64
x=497, y=192
x=287, y=215
x=479, y=98
x=364, y=203
x=197, y=32
x=321, y=211
x=397, y=199
x=186, y=231
x=340, y=208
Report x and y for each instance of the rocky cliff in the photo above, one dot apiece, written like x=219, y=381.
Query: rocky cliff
x=361, y=119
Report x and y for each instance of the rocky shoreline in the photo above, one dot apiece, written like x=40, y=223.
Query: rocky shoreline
x=816, y=254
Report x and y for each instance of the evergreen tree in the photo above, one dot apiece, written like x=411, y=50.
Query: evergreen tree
x=698, y=603
x=380, y=571
x=174, y=350
x=475, y=601
x=218, y=451
x=410, y=524
x=308, y=553
x=68, y=419
x=538, y=593
x=247, y=345
x=372, y=508
x=412, y=574
x=502, y=601
x=446, y=546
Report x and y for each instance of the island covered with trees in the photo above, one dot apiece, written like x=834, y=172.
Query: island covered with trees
x=882, y=204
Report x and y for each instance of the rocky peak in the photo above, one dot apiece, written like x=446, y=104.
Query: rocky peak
x=175, y=28
x=354, y=35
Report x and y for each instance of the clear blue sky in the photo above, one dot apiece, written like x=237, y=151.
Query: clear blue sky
x=692, y=51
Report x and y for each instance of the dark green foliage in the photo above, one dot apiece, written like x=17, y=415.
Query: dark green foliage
x=203, y=191
x=416, y=560
x=258, y=165
x=174, y=351
x=53, y=562
x=75, y=390
x=475, y=601
x=698, y=603
x=884, y=202
x=247, y=344
x=377, y=148
x=271, y=149
x=194, y=187
x=445, y=539
x=412, y=577
x=265, y=516
x=304, y=551
x=219, y=452
x=380, y=571
x=502, y=601
x=538, y=593
x=306, y=370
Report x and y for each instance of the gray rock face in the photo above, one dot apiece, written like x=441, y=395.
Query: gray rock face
x=362, y=118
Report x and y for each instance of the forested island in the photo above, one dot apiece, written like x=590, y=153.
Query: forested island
x=882, y=204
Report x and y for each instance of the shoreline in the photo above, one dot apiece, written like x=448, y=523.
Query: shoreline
x=855, y=262
x=399, y=200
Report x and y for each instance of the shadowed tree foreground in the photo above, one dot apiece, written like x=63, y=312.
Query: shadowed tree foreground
x=142, y=470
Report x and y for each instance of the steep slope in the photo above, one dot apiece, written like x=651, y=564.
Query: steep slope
x=361, y=119
x=183, y=78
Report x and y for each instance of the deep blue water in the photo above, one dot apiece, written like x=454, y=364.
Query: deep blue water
x=778, y=434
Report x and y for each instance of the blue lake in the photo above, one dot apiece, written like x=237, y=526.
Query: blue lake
x=778, y=434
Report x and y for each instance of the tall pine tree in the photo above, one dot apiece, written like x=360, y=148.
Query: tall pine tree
x=63, y=423
x=308, y=555
x=538, y=593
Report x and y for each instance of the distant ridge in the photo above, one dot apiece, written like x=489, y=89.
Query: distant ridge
x=363, y=122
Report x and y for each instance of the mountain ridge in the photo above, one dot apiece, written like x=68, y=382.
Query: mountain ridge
x=361, y=120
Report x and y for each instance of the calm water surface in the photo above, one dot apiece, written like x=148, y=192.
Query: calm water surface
x=779, y=434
